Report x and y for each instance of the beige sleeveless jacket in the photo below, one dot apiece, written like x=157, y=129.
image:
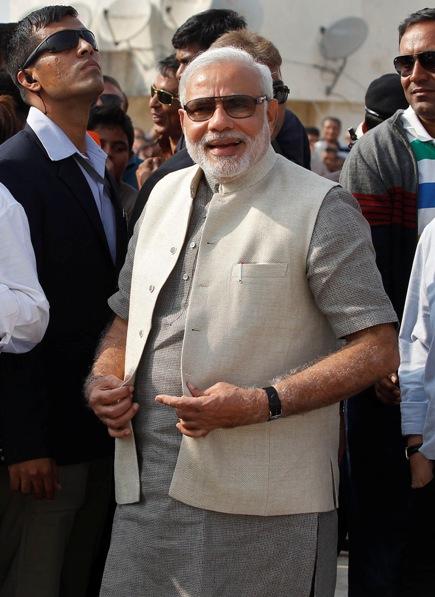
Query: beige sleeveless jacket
x=251, y=317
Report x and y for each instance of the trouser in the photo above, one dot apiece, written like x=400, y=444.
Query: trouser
x=419, y=561
x=378, y=499
x=47, y=547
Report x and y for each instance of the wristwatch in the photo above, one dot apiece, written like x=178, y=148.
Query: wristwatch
x=275, y=410
x=410, y=450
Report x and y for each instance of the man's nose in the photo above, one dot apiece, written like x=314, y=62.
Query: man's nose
x=154, y=102
x=220, y=119
x=85, y=47
x=180, y=70
x=418, y=72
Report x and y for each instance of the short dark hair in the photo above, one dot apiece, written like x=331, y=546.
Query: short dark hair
x=332, y=119
x=312, y=130
x=170, y=63
x=9, y=121
x=371, y=121
x=205, y=27
x=8, y=87
x=6, y=30
x=23, y=40
x=114, y=82
x=111, y=116
x=260, y=48
x=425, y=14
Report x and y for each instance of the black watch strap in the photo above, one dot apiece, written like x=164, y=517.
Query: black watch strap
x=410, y=450
x=275, y=410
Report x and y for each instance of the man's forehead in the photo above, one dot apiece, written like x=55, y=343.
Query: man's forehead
x=166, y=83
x=112, y=132
x=188, y=53
x=421, y=35
x=111, y=89
x=235, y=78
x=67, y=22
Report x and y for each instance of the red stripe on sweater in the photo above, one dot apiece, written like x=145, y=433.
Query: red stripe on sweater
x=398, y=207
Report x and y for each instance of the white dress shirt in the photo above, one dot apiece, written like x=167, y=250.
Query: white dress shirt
x=417, y=349
x=23, y=306
x=59, y=146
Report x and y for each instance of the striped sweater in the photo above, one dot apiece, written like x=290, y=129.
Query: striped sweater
x=381, y=172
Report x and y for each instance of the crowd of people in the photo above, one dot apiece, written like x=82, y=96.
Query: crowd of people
x=200, y=364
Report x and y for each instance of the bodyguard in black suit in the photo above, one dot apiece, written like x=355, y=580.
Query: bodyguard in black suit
x=53, y=445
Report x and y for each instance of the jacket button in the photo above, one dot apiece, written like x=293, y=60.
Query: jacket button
x=173, y=250
x=151, y=288
x=141, y=333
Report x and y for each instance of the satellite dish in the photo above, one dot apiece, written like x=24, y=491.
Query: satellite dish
x=176, y=12
x=122, y=20
x=343, y=38
x=338, y=42
x=85, y=13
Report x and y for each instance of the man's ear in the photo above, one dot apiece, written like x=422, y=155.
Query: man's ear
x=26, y=80
x=272, y=113
x=182, y=115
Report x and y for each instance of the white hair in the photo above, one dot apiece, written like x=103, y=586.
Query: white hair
x=222, y=55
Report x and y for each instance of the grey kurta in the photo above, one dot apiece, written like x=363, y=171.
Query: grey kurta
x=161, y=547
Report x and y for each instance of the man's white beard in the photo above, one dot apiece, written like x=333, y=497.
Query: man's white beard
x=222, y=168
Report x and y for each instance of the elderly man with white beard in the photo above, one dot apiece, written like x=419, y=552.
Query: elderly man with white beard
x=249, y=306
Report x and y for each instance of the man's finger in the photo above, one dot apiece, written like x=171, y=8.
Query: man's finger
x=191, y=432
x=194, y=390
x=115, y=410
x=107, y=396
x=119, y=433
x=120, y=423
x=173, y=401
x=25, y=484
x=49, y=486
x=38, y=487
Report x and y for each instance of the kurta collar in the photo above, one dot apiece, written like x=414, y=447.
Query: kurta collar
x=252, y=176
x=249, y=179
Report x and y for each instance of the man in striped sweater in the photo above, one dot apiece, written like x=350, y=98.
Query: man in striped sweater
x=391, y=171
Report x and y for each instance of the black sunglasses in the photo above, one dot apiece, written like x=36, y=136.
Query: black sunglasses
x=66, y=39
x=280, y=91
x=404, y=65
x=236, y=106
x=164, y=97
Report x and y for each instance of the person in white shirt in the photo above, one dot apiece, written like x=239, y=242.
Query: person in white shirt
x=417, y=385
x=23, y=306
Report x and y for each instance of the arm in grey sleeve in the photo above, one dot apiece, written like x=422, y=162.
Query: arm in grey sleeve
x=120, y=301
x=341, y=268
x=23, y=306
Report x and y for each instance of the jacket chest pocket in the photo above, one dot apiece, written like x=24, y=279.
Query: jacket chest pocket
x=260, y=293
x=258, y=272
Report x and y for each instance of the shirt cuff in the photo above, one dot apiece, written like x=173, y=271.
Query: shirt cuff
x=119, y=305
x=8, y=315
x=413, y=416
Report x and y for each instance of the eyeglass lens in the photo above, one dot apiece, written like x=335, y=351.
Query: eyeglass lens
x=404, y=65
x=164, y=97
x=60, y=41
x=236, y=106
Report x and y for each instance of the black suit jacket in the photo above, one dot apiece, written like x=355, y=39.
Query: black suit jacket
x=42, y=407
